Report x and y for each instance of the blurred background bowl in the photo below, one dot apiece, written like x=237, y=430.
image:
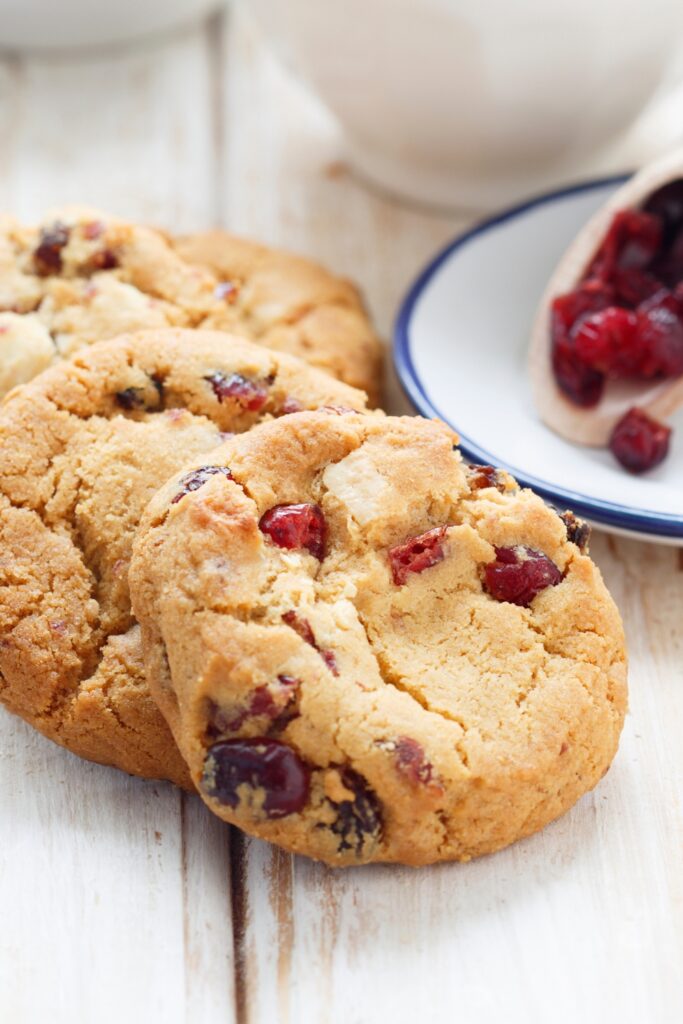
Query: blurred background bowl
x=63, y=24
x=477, y=104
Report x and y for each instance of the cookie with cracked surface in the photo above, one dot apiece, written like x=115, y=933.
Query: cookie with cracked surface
x=369, y=651
x=82, y=449
x=292, y=305
x=83, y=276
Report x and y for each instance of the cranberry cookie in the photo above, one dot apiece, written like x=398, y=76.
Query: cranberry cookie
x=290, y=304
x=83, y=276
x=82, y=449
x=369, y=651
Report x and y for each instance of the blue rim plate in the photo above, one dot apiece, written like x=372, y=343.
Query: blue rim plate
x=619, y=517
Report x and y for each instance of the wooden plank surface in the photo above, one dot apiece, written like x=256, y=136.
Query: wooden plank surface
x=123, y=900
x=115, y=893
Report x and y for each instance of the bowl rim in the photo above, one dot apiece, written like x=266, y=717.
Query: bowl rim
x=623, y=517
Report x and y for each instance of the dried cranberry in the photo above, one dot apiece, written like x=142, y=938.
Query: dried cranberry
x=485, y=476
x=639, y=442
x=272, y=701
x=578, y=531
x=197, y=478
x=672, y=268
x=662, y=298
x=296, y=526
x=608, y=342
x=330, y=660
x=359, y=819
x=258, y=764
x=581, y=384
x=417, y=554
x=632, y=240
x=667, y=204
x=626, y=319
x=249, y=393
x=632, y=286
x=518, y=574
x=303, y=628
x=105, y=259
x=47, y=255
x=300, y=626
x=411, y=761
x=660, y=334
x=591, y=296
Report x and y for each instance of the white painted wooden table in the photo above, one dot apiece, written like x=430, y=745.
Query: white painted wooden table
x=123, y=900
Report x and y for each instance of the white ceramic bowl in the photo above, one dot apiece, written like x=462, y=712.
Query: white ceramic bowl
x=476, y=103
x=461, y=347
x=62, y=24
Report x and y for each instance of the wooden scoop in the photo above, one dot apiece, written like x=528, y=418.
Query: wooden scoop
x=594, y=426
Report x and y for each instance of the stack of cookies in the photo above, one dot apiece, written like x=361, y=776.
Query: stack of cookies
x=219, y=567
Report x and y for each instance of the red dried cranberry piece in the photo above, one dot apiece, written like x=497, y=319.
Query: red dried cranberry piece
x=412, y=762
x=330, y=660
x=669, y=268
x=662, y=298
x=518, y=574
x=300, y=626
x=608, y=342
x=591, y=296
x=639, y=442
x=303, y=628
x=259, y=764
x=581, y=384
x=667, y=204
x=197, y=478
x=417, y=554
x=358, y=823
x=578, y=532
x=485, y=476
x=632, y=286
x=47, y=255
x=249, y=393
x=296, y=526
x=105, y=259
x=673, y=267
x=273, y=701
x=639, y=266
x=660, y=334
x=632, y=240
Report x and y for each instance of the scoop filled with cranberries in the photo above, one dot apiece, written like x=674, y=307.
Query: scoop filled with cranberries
x=606, y=354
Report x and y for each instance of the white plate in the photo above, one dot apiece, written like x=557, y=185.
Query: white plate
x=460, y=349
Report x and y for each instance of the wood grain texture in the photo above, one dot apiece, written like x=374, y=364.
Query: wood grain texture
x=124, y=900
x=115, y=892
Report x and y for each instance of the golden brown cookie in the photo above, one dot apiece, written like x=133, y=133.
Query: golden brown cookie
x=367, y=650
x=292, y=305
x=83, y=276
x=82, y=449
